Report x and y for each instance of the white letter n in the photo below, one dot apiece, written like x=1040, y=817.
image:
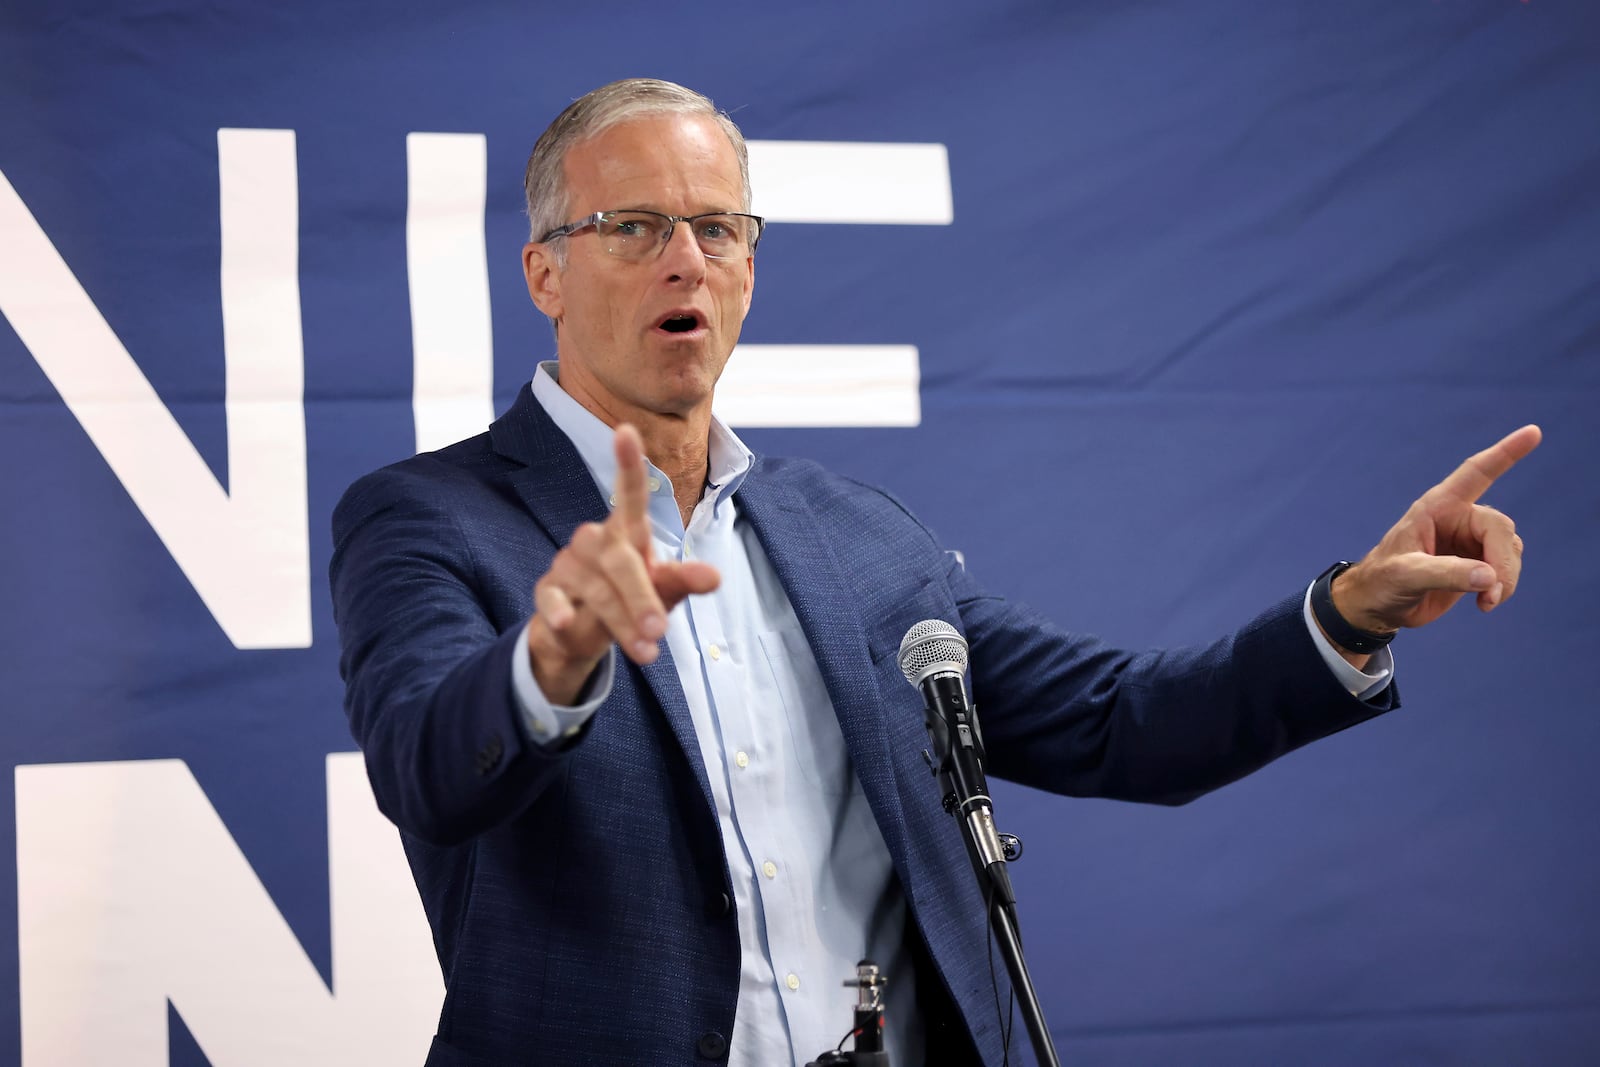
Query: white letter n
x=245, y=551
x=131, y=893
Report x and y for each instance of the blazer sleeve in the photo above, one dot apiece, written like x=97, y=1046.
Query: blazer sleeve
x=1068, y=713
x=427, y=671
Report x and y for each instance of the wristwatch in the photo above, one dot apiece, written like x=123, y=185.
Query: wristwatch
x=1338, y=629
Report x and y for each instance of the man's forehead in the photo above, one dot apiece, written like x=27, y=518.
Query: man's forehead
x=675, y=149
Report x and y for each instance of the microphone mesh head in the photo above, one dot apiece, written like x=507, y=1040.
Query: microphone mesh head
x=930, y=647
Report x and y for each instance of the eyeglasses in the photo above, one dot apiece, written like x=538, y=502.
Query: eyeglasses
x=639, y=234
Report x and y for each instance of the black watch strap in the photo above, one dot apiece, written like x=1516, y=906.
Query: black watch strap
x=1339, y=631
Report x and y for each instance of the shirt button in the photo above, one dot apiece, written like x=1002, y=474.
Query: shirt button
x=793, y=981
x=742, y=759
x=716, y=653
x=612, y=500
x=688, y=549
x=769, y=869
x=654, y=484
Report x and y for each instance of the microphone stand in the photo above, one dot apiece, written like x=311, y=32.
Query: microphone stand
x=957, y=761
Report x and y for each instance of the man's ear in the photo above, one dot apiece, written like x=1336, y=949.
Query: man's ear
x=543, y=276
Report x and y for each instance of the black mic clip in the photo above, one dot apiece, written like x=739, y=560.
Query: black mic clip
x=869, y=983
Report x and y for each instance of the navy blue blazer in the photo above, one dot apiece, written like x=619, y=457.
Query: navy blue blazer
x=579, y=897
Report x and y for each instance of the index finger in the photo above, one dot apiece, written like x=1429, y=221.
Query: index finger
x=632, y=496
x=1474, y=477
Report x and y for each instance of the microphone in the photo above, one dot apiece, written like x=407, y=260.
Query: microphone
x=933, y=657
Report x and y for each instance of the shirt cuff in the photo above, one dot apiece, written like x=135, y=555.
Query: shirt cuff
x=1363, y=685
x=546, y=723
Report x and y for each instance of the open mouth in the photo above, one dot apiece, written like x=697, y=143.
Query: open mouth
x=679, y=323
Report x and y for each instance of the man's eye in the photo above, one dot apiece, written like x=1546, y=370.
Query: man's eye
x=716, y=230
x=640, y=227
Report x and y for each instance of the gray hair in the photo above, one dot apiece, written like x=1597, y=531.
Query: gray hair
x=545, y=181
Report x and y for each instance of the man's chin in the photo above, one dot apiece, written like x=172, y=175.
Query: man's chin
x=677, y=399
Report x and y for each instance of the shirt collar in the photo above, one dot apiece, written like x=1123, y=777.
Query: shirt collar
x=728, y=460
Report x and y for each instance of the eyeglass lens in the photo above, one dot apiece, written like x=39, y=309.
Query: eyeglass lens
x=640, y=233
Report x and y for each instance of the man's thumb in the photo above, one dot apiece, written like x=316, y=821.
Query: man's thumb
x=674, y=580
x=1423, y=573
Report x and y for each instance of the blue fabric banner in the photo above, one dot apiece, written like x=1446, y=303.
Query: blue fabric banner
x=1152, y=310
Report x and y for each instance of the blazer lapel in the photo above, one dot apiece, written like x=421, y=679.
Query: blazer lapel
x=822, y=599
x=555, y=486
x=552, y=480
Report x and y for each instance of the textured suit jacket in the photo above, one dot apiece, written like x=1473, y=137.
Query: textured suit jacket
x=580, y=899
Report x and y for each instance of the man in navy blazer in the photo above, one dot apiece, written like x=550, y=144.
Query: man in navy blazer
x=517, y=653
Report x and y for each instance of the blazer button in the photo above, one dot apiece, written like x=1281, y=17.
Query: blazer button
x=712, y=1045
x=721, y=905
x=489, y=756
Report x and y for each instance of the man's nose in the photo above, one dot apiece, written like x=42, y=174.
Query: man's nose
x=682, y=257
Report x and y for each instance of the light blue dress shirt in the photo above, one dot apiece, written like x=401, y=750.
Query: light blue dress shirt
x=813, y=884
